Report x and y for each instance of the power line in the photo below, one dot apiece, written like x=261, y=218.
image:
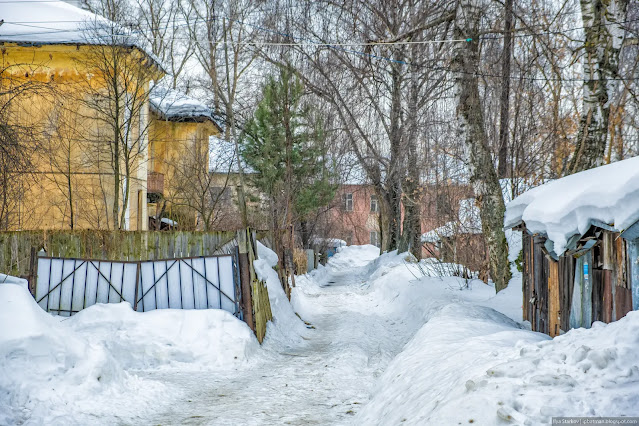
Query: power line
x=308, y=42
x=201, y=21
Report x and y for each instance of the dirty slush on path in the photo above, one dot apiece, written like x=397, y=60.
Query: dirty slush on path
x=324, y=379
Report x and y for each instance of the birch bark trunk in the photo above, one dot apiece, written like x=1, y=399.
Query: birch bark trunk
x=604, y=33
x=471, y=131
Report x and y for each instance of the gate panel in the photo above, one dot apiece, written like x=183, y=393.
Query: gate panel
x=213, y=283
x=200, y=286
x=174, y=285
x=79, y=286
x=147, y=295
x=91, y=287
x=66, y=286
x=105, y=270
x=227, y=283
x=187, y=287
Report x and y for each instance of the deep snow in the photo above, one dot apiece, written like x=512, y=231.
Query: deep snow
x=378, y=344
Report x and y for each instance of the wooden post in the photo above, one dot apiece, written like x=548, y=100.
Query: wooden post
x=245, y=277
x=33, y=270
x=137, y=284
x=554, y=304
x=608, y=251
x=607, y=296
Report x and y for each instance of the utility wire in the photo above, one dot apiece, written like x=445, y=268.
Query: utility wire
x=308, y=42
x=203, y=21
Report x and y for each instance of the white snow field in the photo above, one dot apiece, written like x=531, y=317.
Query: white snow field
x=381, y=345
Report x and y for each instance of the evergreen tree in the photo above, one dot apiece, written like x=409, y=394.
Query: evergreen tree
x=286, y=145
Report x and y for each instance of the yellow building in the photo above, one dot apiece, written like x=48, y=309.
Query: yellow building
x=75, y=93
x=179, y=131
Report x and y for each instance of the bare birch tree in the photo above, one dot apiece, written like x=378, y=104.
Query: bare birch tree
x=471, y=131
x=604, y=34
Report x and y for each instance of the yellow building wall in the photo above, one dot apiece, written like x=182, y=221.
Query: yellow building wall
x=177, y=147
x=69, y=137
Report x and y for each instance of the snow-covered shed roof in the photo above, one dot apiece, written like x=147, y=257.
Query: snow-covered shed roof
x=606, y=196
x=37, y=23
x=469, y=223
x=173, y=105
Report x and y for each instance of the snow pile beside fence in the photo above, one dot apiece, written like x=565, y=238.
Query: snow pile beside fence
x=47, y=371
x=472, y=364
x=8, y=279
x=52, y=367
x=200, y=338
x=286, y=327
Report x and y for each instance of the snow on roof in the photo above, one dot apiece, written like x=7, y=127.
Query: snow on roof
x=569, y=206
x=46, y=22
x=56, y=22
x=176, y=106
x=469, y=222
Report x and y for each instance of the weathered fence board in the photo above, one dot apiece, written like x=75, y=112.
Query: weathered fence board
x=566, y=284
x=554, y=304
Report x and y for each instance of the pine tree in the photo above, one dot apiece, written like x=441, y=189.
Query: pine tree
x=286, y=146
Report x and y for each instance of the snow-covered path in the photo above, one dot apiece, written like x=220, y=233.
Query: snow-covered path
x=324, y=379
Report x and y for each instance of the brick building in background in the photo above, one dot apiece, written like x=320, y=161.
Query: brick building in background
x=354, y=215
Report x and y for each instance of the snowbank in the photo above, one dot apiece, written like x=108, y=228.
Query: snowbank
x=353, y=256
x=47, y=371
x=52, y=368
x=206, y=338
x=568, y=206
x=286, y=328
x=9, y=279
x=472, y=364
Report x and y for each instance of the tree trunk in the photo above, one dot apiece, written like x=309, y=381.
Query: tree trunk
x=395, y=167
x=502, y=168
x=483, y=176
x=603, y=28
x=412, y=228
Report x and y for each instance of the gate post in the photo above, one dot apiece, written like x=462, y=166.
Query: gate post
x=245, y=277
x=33, y=271
x=137, y=284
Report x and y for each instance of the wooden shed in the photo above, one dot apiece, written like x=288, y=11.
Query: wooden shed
x=593, y=281
x=592, y=273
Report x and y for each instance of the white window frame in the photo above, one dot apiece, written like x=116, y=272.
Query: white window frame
x=374, y=204
x=347, y=201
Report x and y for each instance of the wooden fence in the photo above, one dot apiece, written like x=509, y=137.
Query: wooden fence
x=19, y=256
x=16, y=247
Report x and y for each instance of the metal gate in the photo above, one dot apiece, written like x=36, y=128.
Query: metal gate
x=66, y=286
